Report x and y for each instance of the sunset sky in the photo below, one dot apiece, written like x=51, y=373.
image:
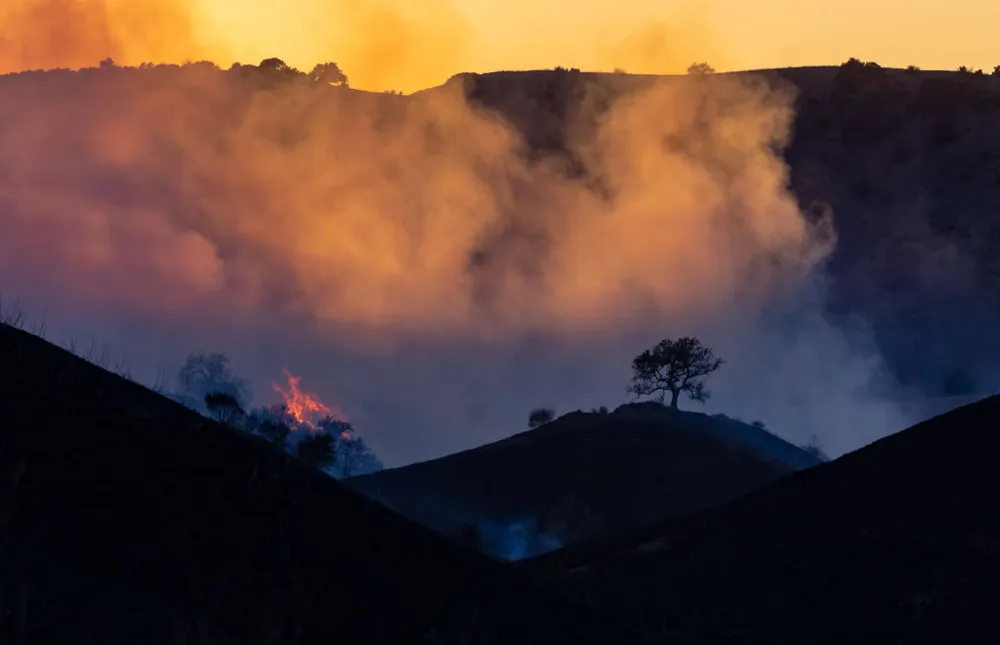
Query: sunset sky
x=413, y=44
x=373, y=260
x=640, y=35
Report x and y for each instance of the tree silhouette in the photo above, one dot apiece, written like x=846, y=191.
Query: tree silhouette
x=274, y=65
x=352, y=456
x=540, y=417
x=203, y=374
x=329, y=73
x=674, y=366
x=700, y=69
x=317, y=450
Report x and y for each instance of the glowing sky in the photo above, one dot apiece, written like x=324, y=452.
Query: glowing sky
x=413, y=44
x=483, y=35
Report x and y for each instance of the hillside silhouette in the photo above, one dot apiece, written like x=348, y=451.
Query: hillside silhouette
x=587, y=475
x=896, y=542
x=906, y=160
x=127, y=518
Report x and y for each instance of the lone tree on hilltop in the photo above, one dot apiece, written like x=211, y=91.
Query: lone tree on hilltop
x=700, y=69
x=674, y=366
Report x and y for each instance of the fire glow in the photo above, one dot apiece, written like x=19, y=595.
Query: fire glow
x=304, y=407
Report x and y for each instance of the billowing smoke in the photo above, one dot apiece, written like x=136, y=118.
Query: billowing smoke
x=409, y=254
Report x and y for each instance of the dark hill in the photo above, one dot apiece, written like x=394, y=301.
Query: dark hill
x=908, y=160
x=125, y=518
x=587, y=475
x=898, y=542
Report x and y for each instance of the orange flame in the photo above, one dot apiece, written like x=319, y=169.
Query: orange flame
x=302, y=406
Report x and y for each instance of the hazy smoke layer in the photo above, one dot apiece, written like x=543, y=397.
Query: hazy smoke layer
x=404, y=257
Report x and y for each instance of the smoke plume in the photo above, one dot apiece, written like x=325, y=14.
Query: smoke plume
x=408, y=253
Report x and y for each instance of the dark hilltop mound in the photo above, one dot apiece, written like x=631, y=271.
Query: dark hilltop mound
x=588, y=475
x=898, y=542
x=126, y=518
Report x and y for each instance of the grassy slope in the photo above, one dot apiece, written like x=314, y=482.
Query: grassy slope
x=635, y=466
x=125, y=518
x=898, y=542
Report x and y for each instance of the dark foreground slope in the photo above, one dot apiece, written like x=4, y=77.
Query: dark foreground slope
x=125, y=518
x=898, y=542
x=589, y=475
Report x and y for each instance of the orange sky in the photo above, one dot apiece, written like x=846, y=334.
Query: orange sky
x=409, y=44
x=731, y=34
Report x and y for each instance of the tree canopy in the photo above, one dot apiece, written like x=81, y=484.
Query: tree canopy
x=329, y=73
x=674, y=367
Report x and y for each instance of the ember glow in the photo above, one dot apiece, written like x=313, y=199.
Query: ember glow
x=304, y=407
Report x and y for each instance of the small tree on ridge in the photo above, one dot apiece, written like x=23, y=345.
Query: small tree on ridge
x=700, y=69
x=674, y=366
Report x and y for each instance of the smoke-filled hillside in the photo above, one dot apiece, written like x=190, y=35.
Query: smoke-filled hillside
x=905, y=160
x=438, y=263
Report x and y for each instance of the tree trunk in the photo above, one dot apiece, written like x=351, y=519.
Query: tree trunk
x=674, y=395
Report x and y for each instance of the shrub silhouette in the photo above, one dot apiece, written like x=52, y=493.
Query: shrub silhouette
x=854, y=74
x=700, y=69
x=540, y=417
x=223, y=406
